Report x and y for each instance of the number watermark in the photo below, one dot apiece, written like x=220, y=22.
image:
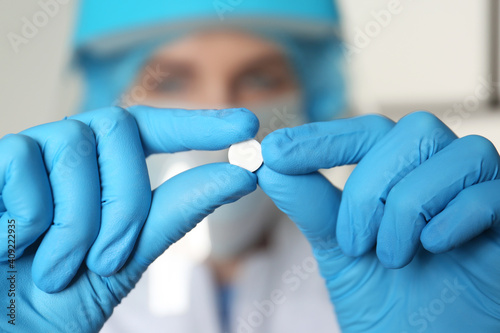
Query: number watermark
x=12, y=272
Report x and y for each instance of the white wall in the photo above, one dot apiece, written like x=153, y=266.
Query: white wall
x=422, y=55
x=34, y=84
x=430, y=51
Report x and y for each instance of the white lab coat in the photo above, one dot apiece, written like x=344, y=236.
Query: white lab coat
x=269, y=296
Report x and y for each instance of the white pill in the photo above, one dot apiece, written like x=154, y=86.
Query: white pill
x=246, y=154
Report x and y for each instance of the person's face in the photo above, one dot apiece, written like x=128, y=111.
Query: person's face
x=219, y=69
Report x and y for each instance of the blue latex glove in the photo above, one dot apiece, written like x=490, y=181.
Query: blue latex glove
x=93, y=166
x=420, y=200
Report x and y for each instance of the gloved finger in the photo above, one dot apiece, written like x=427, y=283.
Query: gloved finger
x=414, y=139
x=426, y=191
x=150, y=130
x=307, y=148
x=26, y=206
x=69, y=152
x=186, y=199
x=309, y=200
x=473, y=211
x=174, y=130
x=125, y=187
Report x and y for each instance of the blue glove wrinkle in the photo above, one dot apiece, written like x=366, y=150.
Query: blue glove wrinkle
x=470, y=213
x=126, y=191
x=414, y=139
x=412, y=202
x=22, y=168
x=70, y=157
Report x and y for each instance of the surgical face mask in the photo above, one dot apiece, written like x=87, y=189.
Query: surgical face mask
x=285, y=111
x=236, y=227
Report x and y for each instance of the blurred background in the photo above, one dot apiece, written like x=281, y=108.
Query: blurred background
x=441, y=56
x=430, y=55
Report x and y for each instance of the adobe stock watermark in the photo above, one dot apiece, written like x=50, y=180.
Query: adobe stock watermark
x=72, y=156
x=430, y=312
x=31, y=26
x=200, y=199
x=222, y=7
x=453, y=118
x=458, y=112
x=139, y=92
x=363, y=36
x=276, y=119
x=292, y=279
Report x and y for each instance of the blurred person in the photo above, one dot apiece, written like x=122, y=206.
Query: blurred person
x=255, y=249
x=420, y=200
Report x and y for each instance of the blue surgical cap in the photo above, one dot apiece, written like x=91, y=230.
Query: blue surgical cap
x=114, y=39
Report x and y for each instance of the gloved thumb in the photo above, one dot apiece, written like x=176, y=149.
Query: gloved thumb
x=177, y=206
x=312, y=202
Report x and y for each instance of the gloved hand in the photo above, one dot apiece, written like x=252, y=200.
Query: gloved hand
x=419, y=200
x=81, y=186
